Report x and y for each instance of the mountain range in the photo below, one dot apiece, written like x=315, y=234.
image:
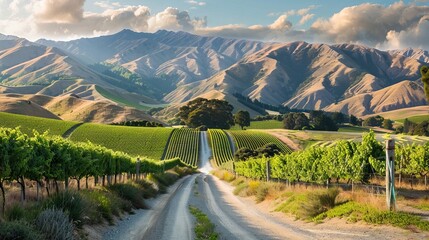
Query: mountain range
x=138, y=71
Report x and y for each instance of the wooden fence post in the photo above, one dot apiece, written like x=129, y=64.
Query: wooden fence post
x=268, y=170
x=138, y=169
x=390, y=175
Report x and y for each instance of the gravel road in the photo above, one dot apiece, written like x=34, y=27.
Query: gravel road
x=233, y=217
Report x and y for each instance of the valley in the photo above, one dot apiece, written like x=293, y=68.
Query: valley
x=228, y=200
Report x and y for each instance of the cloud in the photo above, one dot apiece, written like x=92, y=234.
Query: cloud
x=174, y=19
x=305, y=18
x=372, y=24
x=398, y=25
x=14, y=6
x=196, y=3
x=108, y=5
x=59, y=11
x=279, y=30
x=416, y=36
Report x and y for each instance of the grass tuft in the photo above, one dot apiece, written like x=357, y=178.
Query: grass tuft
x=204, y=229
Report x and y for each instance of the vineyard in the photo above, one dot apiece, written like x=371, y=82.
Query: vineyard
x=344, y=161
x=136, y=141
x=253, y=140
x=221, y=147
x=42, y=159
x=28, y=123
x=184, y=144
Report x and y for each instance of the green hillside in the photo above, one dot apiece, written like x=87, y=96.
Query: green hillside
x=141, y=141
x=28, y=123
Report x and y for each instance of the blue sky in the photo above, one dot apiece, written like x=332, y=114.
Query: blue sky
x=247, y=12
x=379, y=23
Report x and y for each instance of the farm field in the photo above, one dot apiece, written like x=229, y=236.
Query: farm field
x=184, y=143
x=304, y=139
x=136, y=141
x=255, y=139
x=268, y=124
x=221, y=147
x=28, y=123
x=416, y=119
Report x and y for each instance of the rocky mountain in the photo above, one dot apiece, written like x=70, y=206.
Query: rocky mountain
x=142, y=70
x=182, y=57
x=316, y=76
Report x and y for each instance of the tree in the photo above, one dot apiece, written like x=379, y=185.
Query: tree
x=314, y=114
x=244, y=153
x=212, y=113
x=338, y=117
x=325, y=123
x=296, y=121
x=242, y=118
x=387, y=124
x=354, y=120
x=408, y=126
x=268, y=150
x=376, y=121
x=421, y=129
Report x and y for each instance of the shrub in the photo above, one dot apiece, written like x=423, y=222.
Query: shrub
x=239, y=188
x=14, y=213
x=147, y=188
x=55, y=225
x=18, y=230
x=319, y=202
x=70, y=202
x=129, y=192
x=261, y=192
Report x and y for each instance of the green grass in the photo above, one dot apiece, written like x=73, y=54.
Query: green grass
x=28, y=123
x=354, y=212
x=136, y=141
x=221, y=146
x=352, y=129
x=120, y=100
x=268, y=124
x=184, y=143
x=204, y=229
x=254, y=139
x=416, y=119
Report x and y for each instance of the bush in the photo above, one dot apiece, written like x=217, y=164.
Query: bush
x=55, y=225
x=14, y=213
x=261, y=193
x=18, y=230
x=129, y=192
x=70, y=202
x=147, y=188
x=103, y=205
x=319, y=202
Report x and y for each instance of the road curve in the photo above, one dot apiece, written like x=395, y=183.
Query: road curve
x=169, y=216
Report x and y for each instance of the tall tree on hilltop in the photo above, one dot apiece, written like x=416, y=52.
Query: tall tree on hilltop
x=212, y=113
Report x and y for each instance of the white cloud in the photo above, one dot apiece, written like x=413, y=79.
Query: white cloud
x=108, y=5
x=196, y=3
x=305, y=18
x=14, y=7
x=399, y=25
x=59, y=11
x=371, y=24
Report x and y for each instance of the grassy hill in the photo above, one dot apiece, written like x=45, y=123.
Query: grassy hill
x=141, y=141
x=28, y=123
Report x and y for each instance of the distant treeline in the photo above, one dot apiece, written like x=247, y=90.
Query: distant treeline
x=143, y=123
x=413, y=128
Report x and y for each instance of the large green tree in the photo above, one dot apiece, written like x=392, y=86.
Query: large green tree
x=242, y=118
x=212, y=113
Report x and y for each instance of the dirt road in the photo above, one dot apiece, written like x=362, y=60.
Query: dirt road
x=234, y=217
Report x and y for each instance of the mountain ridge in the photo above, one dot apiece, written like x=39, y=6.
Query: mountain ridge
x=176, y=67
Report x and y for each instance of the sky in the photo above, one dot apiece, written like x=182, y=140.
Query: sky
x=382, y=24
